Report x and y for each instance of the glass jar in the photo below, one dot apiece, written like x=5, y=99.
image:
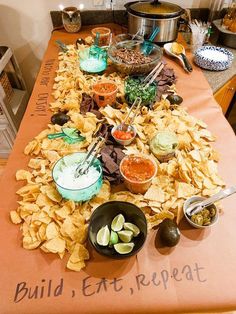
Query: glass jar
x=71, y=19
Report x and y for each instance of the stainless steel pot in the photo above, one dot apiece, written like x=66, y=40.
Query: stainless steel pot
x=145, y=16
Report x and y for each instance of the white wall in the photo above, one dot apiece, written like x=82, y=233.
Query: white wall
x=25, y=26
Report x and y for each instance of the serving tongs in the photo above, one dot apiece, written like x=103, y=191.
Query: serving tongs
x=199, y=206
x=62, y=46
x=83, y=167
x=125, y=125
x=150, y=78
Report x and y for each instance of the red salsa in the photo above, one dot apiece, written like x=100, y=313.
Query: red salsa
x=123, y=135
x=139, y=169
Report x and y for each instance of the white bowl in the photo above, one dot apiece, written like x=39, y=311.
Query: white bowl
x=191, y=200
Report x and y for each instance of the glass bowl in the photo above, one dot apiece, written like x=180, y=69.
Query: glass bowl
x=93, y=60
x=81, y=194
x=104, y=214
x=133, y=46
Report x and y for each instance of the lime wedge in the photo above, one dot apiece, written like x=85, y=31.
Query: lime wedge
x=124, y=248
x=125, y=235
x=117, y=223
x=103, y=236
x=113, y=238
x=132, y=227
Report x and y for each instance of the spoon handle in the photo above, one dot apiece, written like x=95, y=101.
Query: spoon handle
x=56, y=135
x=217, y=197
x=186, y=62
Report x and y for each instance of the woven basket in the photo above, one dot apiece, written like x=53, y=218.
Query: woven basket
x=6, y=85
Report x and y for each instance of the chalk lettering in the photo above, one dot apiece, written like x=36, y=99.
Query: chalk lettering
x=154, y=280
x=189, y=275
x=140, y=280
x=164, y=277
x=175, y=273
x=115, y=284
x=85, y=287
x=38, y=291
x=197, y=270
x=102, y=285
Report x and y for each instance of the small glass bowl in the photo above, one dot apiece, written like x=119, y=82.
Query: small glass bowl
x=92, y=63
x=104, y=34
x=78, y=195
x=138, y=186
x=103, y=97
x=124, y=142
x=192, y=200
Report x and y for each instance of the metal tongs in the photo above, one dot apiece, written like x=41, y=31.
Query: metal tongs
x=62, y=45
x=124, y=126
x=87, y=162
x=149, y=79
x=197, y=207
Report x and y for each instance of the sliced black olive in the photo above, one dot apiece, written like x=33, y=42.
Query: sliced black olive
x=60, y=118
x=175, y=99
x=80, y=41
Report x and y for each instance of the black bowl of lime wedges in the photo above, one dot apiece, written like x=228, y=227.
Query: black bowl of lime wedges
x=117, y=229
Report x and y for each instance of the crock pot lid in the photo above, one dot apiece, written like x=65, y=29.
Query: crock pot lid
x=155, y=9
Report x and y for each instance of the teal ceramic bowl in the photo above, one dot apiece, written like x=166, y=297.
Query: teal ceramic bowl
x=78, y=195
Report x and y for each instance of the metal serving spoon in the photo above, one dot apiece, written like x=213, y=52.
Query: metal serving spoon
x=197, y=207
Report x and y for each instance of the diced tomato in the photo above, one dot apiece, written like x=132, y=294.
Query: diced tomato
x=123, y=135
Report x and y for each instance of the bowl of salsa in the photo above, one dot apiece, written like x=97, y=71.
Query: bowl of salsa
x=123, y=135
x=138, y=172
x=104, y=93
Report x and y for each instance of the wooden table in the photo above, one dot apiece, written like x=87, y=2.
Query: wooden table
x=197, y=275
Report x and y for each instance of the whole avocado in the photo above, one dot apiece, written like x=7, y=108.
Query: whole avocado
x=175, y=99
x=60, y=118
x=169, y=233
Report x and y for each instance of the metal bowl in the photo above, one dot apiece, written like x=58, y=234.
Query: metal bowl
x=128, y=69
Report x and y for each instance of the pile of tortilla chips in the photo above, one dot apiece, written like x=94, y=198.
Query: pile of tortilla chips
x=57, y=225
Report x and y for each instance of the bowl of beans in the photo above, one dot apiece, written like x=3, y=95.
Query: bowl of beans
x=127, y=57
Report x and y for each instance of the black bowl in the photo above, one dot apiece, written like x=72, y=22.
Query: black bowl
x=104, y=214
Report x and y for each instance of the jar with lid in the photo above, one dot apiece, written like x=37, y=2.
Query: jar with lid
x=71, y=19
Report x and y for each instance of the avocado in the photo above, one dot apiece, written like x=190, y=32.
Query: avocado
x=169, y=233
x=175, y=99
x=60, y=118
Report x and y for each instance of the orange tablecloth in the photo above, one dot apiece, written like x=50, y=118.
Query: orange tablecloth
x=197, y=275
